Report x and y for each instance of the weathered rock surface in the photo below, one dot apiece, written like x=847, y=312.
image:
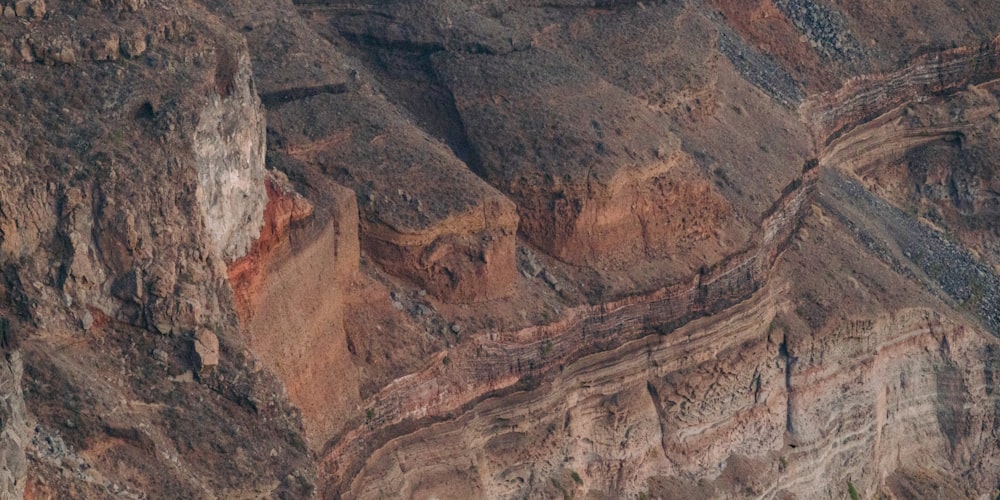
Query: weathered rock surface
x=425, y=216
x=290, y=297
x=110, y=271
x=607, y=195
x=532, y=249
x=16, y=431
x=229, y=149
x=206, y=349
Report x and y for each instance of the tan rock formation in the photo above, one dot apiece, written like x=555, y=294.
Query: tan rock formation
x=206, y=349
x=424, y=215
x=598, y=178
x=493, y=362
x=579, y=249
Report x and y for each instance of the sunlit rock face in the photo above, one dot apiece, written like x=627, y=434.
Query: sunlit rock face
x=229, y=148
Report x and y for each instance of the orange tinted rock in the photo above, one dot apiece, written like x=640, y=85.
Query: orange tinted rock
x=424, y=215
x=290, y=301
x=599, y=179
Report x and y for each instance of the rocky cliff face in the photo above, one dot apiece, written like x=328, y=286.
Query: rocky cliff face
x=124, y=183
x=447, y=249
x=15, y=432
x=229, y=150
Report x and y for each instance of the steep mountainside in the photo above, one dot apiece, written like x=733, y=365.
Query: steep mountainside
x=463, y=249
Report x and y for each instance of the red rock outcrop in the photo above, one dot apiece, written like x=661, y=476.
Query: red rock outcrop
x=284, y=208
x=598, y=178
x=578, y=249
x=290, y=296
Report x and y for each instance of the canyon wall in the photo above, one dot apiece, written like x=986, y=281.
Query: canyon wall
x=495, y=362
x=436, y=249
x=608, y=423
x=131, y=174
x=908, y=383
x=824, y=460
x=290, y=293
x=729, y=407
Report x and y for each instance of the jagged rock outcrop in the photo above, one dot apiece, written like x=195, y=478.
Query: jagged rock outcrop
x=229, y=148
x=114, y=279
x=435, y=248
x=16, y=431
x=425, y=216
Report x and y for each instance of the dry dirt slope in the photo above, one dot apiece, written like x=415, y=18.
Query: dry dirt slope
x=534, y=249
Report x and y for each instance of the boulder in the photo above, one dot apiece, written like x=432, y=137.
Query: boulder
x=206, y=349
x=133, y=45
x=30, y=8
x=107, y=49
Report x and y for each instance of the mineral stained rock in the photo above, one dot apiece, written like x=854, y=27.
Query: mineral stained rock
x=445, y=249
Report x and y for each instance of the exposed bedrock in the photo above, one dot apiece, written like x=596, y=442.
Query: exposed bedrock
x=229, y=146
x=606, y=423
x=864, y=98
x=933, y=158
x=497, y=362
x=915, y=394
x=289, y=292
x=931, y=154
x=807, y=435
x=728, y=407
x=424, y=215
x=186, y=147
x=598, y=178
x=689, y=312
x=964, y=119
x=16, y=432
x=126, y=190
x=285, y=210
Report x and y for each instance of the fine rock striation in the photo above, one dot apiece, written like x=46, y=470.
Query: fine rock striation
x=315, y=249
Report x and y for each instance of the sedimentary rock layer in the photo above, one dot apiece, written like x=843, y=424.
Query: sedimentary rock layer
x=678, y=318
x=598, y=178
x=863, y=98
x=492, y=362
x=599, y=424
x=425, y=216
